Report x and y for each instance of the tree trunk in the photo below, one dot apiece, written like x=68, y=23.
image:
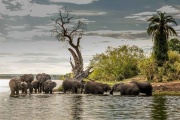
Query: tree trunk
x=77, y=67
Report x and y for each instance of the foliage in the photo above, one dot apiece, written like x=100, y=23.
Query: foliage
x=147, y=67
x=60, y=88
x=66, y=76
x=174, y=44
x=168, y=71
x=116, y=63
x=160, y=30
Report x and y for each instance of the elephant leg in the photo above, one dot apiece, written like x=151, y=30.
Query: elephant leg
x=74, y=90
x=111, y=92
x=148, y=93
x=31, y=90
x=17, y=91
x=35, y=90
x=12, y=92
x=64, y=90
x=40, y=88
x=25, y=91
x=81, y=90
x=50, y=91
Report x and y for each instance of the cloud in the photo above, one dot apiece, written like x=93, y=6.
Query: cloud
x=119, y=34
x=38, y=54
x=75, y=1
x=2, y=38
x=28, y=8
x=83, y=20
x=168, y=9
x=17, y=27
x=48, y=28
x=28, y=35
x=177, y=27
x=143, y=16
x=88, y=13
x=43, y=60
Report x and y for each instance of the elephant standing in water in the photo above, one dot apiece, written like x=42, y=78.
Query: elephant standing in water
x=144, y=87
x=48, y=86
x=28, y=78
x=35, y=85
x=125, y=89
x=24, y=87
x=92, y=87
x=72, y=84
x=42, y=77
x=15, y=86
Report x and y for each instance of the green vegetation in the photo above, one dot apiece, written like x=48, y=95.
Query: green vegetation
x=168, y=71
x=116, y=63
x=174, y=45
x=160, y=30
x=66, y=76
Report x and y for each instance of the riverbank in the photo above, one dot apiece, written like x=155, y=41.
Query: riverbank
x=166, y=88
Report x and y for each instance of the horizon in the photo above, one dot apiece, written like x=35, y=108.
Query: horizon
x=27, y=46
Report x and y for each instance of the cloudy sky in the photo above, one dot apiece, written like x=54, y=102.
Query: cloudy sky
x=27, y=46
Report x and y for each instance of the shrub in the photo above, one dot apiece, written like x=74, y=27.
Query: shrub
x=116, y=63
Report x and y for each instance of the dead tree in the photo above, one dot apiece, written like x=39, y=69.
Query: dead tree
x=67, y=34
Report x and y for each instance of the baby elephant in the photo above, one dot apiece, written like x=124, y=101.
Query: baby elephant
x=72, y=84
x=92, y=87
x=144, y=87
x=48, y=86
x=125, y=88
x=24, y=87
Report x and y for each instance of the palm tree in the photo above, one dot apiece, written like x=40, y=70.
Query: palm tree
x=160, y=30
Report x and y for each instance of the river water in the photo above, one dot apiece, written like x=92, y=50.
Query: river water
x=86, y=107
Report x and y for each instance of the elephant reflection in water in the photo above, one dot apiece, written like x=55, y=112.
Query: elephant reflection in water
x=159, y=109
x=77, y=107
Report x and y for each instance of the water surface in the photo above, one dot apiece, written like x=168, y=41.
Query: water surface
x=86, y=107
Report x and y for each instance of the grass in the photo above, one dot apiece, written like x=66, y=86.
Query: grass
x=164, y=93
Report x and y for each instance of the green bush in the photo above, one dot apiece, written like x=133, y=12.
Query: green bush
x=170, y=70
x=148, y=67
x=116, y=63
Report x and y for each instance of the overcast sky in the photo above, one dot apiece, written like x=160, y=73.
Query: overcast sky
x=26, y=45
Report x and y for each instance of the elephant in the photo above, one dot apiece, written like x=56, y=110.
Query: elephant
x=92, y=87
x=24, y=87
x=35, y=85
x=48, y=86
x=73, y=85
x=144, y=87
x=27, y=78
x=15, y=86
x=42, y=77
x=125, y=89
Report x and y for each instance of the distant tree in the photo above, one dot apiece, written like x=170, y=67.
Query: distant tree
x=69, y=29
x=160, y=31
x=174, y=44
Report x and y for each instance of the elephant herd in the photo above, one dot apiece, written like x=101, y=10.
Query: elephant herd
x=43, y=83
x=92, y=87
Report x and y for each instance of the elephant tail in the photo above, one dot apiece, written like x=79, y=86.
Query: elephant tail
x=111, y=92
